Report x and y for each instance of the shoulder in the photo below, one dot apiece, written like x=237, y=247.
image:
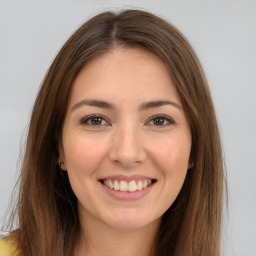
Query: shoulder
x=7, y=248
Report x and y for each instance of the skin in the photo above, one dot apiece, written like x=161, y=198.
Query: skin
x=127, y=140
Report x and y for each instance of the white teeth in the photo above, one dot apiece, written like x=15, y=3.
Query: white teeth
x=132, y=186
x=124, y=186
x=140, y=186
x=111, y=185
x=116, y=185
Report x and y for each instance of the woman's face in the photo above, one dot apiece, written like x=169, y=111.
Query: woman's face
x=126, y=140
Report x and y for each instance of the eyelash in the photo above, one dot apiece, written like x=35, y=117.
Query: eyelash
x=161, y=117
x=165, y=119
x=85, y=120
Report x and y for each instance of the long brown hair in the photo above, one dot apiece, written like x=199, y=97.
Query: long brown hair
x=47, y=206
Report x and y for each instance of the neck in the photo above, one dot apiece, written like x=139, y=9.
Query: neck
x=100, y=239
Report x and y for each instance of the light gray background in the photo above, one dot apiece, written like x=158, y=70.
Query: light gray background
x=223, y=34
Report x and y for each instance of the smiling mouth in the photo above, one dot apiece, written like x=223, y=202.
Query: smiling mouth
x=125, y=186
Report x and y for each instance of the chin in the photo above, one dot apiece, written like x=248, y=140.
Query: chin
x=130, y=220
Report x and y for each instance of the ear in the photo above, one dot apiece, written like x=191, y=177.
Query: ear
x=190, y=165
x=191, y=160
x=61, y=160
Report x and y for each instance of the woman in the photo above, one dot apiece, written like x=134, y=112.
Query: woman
x=123, y=154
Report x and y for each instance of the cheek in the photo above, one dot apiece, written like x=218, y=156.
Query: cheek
x=172, y=161
x=83, y=154
x=173, y=154
x=83, y=158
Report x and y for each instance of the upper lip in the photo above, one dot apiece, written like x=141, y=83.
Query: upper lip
x=127, y=178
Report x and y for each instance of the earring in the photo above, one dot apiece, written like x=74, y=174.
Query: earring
x=60, y=163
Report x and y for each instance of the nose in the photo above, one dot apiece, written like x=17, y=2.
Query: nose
x=127, y=147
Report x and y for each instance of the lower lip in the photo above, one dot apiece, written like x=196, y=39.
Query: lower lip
x=127, y=196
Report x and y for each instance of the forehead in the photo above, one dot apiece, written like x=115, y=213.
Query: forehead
x=123, y=72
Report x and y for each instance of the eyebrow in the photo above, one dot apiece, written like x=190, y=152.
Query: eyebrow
x=158, y=103
x=93, y=103
x=107, y=105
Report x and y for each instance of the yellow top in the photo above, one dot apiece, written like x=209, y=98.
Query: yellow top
x=7, y=248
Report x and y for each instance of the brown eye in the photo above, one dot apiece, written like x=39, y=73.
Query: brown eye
x=160, y=121
x=94, y=120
